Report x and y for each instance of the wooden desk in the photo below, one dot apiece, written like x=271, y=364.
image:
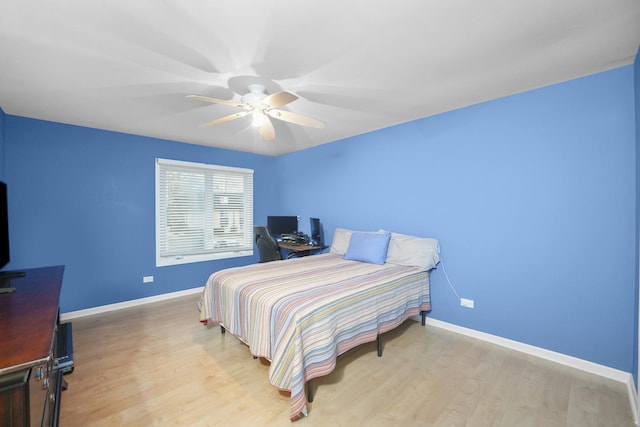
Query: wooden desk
x=300, y=249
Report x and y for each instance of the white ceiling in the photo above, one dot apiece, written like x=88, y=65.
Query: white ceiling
x=126, y=65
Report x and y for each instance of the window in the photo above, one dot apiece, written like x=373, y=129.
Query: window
x=203, y=212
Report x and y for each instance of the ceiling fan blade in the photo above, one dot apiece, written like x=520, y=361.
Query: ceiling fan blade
x=279, y=99
x=295, y=118
x=215, y=101
x=224, y=119
x=267, y=132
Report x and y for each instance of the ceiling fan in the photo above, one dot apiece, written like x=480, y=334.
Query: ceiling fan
x=262, y=108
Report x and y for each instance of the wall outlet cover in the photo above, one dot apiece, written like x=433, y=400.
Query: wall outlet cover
x=466, y=302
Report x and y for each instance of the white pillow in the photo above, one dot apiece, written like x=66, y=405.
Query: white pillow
x=341, y=238
x=413, y=251
x=340, y=242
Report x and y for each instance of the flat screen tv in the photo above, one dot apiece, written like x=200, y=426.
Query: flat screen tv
x=4, y=227
x=279, y=225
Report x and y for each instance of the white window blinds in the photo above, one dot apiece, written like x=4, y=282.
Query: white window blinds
x=203, y=212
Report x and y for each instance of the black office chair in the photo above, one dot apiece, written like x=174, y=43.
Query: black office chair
x=267, y=245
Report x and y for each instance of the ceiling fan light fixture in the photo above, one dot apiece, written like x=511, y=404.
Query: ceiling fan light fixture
x=258, y=118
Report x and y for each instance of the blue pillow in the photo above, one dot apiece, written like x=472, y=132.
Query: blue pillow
x=368, y=247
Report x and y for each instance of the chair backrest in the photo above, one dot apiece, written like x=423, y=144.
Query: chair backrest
x=267, y=245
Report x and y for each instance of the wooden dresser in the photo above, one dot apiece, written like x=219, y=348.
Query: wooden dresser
x=30, y=383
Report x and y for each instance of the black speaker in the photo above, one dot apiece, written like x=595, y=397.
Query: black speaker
x=316, y=234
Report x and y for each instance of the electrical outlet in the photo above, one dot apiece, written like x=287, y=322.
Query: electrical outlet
x=147, y=279
x=466, y=302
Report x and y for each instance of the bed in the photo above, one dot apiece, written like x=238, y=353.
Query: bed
x=302, y=313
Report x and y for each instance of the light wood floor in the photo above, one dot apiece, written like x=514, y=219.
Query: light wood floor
x=156, y=365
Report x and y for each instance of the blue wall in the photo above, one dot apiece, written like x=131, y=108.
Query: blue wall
x=85, y=198
x=636, y=75
x=532, y=198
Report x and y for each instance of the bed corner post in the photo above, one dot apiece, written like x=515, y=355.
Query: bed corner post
x=423, y=314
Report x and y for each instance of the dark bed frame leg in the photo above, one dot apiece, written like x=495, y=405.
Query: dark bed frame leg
x=423, y=314
x=223, y=330
x=310, y=391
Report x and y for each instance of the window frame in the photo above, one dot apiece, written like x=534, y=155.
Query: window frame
x=212, y=252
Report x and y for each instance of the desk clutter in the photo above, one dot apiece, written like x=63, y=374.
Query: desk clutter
x=296, y=239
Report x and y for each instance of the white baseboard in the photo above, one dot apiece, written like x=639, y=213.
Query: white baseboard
x=633, y=400
x=126, y=304
x=563, y=359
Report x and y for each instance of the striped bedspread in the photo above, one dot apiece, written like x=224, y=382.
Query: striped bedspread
x=302, y=313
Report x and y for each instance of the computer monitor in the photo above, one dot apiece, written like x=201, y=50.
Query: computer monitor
x=279, y=225
x=316, y=235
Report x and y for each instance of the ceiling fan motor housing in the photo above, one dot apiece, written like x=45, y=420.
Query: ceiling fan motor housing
x=257, y=93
